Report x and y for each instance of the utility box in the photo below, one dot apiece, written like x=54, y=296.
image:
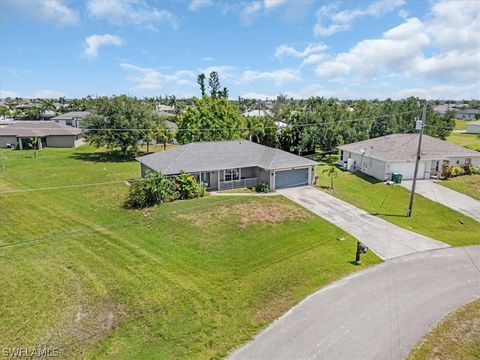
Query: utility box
x=397, y=178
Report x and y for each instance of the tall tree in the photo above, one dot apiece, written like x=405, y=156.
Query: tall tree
x=201, y=82
x=120, y=121
x=214, y=84
x=210, y=119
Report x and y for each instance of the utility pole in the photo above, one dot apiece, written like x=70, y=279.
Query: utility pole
x=417, y=161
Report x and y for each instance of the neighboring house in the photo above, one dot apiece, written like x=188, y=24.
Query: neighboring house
x=165, y=108
x=467, y=114
x=473, y=127
x=171, y=125
x=163, y=113
x=71, y=118
x=258, y=113
x=380, y=157
x=48, y=133
x=221, y=165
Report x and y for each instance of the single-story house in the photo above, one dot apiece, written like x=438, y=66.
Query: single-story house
x=381, y=157
x=258, y=113
x=48, y=133
x=71, y=118
x=467, y=113
x=473, y=127
x=221, y=165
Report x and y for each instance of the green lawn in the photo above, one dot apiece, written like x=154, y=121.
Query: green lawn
x=461, y=124
x=456, y=337
x=468, y=185
x=391, y=203
x=189, y=279
x=471, y=141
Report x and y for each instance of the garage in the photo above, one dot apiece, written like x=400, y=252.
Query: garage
x=407, y=169
x=291, y=178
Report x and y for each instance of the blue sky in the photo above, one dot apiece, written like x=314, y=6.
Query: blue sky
x=346, y=49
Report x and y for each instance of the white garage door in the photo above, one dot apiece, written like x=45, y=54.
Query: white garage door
x=407, y=169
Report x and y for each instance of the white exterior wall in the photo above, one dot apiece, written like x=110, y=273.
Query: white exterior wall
x=473, y=128
x=61, y=141
x=4, y=140
x=460, y=160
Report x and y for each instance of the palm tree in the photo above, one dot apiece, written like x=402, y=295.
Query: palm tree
x=254, y=127
x=172, y=101
x=164, y=134
x=332, y=172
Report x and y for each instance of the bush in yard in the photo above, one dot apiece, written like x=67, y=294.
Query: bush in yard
x=262, y=187
x=474, y=170
x=153, y=189
x=457, y=171
x=187, y=187
x=446, y=171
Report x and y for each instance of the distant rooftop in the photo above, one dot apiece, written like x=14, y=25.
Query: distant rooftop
x=72, y=115
x=37, y=128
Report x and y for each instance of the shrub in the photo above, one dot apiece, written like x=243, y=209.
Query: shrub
x=262, y=187
x=446, y=171
x=151, y=190
x=457, y=171
x=474, y=170
x=187, y=187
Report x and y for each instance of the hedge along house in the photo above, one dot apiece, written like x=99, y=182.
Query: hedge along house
x=396, y=153
x=222, y=165
x=47, y=134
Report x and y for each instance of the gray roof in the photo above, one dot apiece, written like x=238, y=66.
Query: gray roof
x=468, y=111
x=171, y=125
x=37, y=128
x=72, y=115
x=397, y=147
x=218, y=155
x=258, y=113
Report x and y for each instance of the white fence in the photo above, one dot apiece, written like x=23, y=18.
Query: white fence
x=236, y=184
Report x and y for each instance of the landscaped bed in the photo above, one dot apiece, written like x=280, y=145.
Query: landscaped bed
x=456, y=337
x=468, y=185
x=188, y=279
x=391, y=203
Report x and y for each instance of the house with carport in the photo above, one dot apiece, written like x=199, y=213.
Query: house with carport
x=222, y=165
x=381, y=157
x=20, y=134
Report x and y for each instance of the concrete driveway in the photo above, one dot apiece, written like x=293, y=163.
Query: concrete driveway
x=453, y=199
x=385, y=239
x=379, y=313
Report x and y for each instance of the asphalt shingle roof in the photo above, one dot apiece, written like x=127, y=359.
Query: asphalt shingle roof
x=37, y=128
x=218, y=155
x=404, y=147
x=72, y=115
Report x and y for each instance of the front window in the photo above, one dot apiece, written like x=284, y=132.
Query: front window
x=232, y=174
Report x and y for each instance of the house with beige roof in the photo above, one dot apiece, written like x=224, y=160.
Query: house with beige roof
x=381, y=157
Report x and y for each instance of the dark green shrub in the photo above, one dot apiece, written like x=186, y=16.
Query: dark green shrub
x=262, y=187
x=187, y=187
x=151, y=190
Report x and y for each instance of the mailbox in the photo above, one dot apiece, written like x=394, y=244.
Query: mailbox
x=361, y=249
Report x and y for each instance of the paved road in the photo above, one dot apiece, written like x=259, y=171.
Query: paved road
x=379, y=313
x=448, y=197
x=385, y=239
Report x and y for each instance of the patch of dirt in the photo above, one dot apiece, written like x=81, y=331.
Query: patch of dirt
x=272, y=310
x=87, y=324
x=249, y=213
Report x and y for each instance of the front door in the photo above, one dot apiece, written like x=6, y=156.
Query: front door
x=205, y=179
x=435, y=168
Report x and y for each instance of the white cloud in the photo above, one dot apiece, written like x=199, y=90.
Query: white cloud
x=46, y=93
x=270, y=4
x=95, y=42
x=225, y=72
x=285, y=50
x=196, y=5
x=152, y=79
x=341, y=21
x=53, y=11
x=250, y=11
x=438, y=92
x=313, y=59
x=257, y=96
x=208, y=59
x=278, y=77
x=6, y=93
x=130, y=12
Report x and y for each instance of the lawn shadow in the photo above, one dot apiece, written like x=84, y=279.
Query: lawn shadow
x=324, y=158
x=367, y=178
x=389, y=215
x=114, y=156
